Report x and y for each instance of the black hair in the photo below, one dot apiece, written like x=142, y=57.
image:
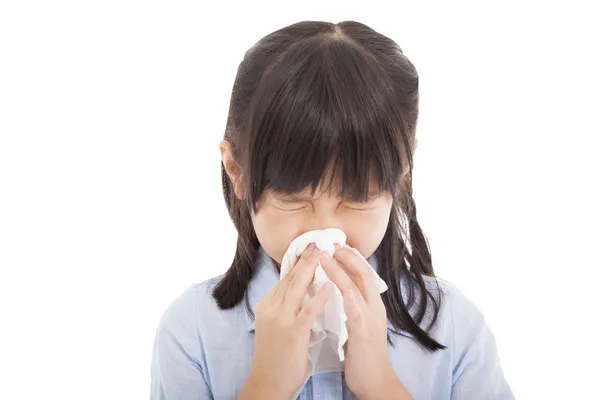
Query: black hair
x=315, y=96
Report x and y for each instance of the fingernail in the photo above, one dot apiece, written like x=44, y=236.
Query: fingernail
x=326, y=255
x=311, y=247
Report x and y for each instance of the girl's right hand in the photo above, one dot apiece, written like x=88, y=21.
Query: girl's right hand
x=282, y=333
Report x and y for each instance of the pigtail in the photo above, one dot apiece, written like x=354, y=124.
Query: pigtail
x=399, y=263
x=233, y=287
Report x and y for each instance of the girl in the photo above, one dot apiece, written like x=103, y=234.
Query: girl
x=321, y=134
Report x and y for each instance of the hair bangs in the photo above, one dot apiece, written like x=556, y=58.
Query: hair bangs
x=310, y=128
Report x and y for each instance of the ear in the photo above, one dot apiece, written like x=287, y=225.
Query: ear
x=232, y=168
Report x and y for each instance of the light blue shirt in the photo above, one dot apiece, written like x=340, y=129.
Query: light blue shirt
x=202, y=352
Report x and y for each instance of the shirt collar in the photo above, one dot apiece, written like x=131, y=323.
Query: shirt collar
x=265, y=279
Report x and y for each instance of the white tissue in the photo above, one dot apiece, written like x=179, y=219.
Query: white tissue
x=329, y=332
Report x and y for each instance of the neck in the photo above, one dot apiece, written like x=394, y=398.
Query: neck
x=277, y=265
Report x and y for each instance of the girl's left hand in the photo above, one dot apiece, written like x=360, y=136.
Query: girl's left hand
x=368, y=369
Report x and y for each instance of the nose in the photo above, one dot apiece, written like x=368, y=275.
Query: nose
x=319, y=220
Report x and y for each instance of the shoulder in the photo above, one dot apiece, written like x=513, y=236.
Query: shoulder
x=455, y=313
x=194, y=314
x=192, y=305
x=457, y=302
x=451, y=297
x=181, y=315
x=476, y=368
x=463, y=311
x=471, y=340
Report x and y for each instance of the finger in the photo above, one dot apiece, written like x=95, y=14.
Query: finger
x=354, y=310
x=308, y=313
x=302, y=278
x=336, y=273
x=278, y=292
x=281, y=288
x=360, y=271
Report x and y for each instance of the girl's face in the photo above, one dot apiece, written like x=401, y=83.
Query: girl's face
x=281, y=218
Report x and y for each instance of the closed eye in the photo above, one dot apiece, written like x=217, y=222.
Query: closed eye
x=358, y=208
x=291, y=207
x=360, y=205
x=367, y=204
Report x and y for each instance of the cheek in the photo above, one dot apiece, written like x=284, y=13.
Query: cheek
x=366, y=232
x=275, y=231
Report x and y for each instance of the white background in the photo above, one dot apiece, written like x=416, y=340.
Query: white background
x=110, y=198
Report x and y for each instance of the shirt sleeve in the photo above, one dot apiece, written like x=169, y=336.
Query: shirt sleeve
x=477, y=372
x=176, y=370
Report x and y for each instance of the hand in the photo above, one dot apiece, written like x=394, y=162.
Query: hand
x=282, y=334
x=369, y=372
